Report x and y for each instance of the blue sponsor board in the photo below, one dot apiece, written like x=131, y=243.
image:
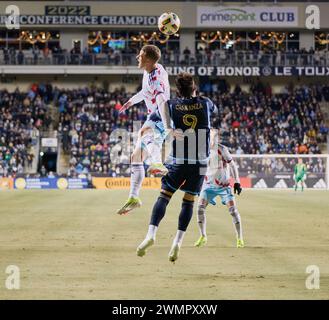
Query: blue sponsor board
x=77, y=183
x=50, y=183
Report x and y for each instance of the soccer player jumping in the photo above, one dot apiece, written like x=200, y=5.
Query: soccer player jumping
x=155, y=90
x=300, y=173
x=217, y=183
x=188, y=159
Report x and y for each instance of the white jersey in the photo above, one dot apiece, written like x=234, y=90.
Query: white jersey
x=218, y=172
x=154, y=83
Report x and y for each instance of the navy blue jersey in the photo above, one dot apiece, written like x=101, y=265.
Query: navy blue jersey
x=192, y=116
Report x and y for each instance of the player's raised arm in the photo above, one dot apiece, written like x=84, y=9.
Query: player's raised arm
x=138, y=97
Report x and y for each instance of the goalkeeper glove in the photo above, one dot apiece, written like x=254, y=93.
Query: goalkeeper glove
x=237, y=188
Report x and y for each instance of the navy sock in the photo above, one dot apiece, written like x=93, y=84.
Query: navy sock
x=159, y=210
x=185, y=215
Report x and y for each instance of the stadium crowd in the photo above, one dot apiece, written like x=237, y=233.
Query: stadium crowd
x=258, y=122
x=87, y=119
x=22, y=115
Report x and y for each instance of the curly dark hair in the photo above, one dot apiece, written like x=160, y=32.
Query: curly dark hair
x=185, y=84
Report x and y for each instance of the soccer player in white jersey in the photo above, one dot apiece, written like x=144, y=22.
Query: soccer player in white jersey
x=217, y=183
x=155, y=91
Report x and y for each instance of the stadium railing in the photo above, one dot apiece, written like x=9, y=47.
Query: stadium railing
x=239, y=58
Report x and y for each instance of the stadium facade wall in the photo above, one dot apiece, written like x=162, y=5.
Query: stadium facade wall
x=306, y=40
x=67, y=38
x=188, y=12
x=110, y=83
x=131, y=83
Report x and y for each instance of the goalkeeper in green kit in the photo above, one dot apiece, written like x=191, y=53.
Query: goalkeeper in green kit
x=300, y=174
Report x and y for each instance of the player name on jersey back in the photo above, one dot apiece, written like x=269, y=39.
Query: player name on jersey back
x=192, y=116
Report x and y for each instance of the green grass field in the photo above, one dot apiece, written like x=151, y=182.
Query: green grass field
x=72, y=245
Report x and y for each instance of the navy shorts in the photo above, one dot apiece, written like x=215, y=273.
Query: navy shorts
x=186, y=177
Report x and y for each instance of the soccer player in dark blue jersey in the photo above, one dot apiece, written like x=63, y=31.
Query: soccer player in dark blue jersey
x=187, y=121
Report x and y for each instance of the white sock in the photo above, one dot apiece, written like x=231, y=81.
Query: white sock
x=202, y=221
x=155, y=152
x=238, y=230
x=236, y=221
x=136, y=179
x=151, y=233
x=179, y=238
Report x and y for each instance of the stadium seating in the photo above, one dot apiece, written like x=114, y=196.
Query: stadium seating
x=87, y=117
x=257, y=122
x=22, y=115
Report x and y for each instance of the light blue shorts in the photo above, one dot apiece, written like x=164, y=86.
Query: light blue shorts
x=158, y=131
x=210, y=193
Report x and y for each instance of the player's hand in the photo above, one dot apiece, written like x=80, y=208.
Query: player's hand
x=125, y=107
x=175, y=134
x=237, y=188
x=178, y=134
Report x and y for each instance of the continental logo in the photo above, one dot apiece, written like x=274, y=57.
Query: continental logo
x=111, y=183
x=189, y=107
x=229, y=15
x=124, y=183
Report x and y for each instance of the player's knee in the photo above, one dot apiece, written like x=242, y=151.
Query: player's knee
x=201, y=212
x=164, y=194
x=235, y=214
x=202, y=206
x=189, y=197
x=188, y=201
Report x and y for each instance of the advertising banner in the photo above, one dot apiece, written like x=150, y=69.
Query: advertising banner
x=124, y=183
x=148, y=183
x=86, y=20
x=6, y=183
x=231, y=16
x=286, y=182
x=50, y=183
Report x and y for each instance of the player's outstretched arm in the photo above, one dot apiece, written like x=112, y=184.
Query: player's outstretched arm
x=138, y=97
